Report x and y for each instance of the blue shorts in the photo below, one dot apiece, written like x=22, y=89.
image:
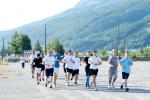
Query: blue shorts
x=49, y=72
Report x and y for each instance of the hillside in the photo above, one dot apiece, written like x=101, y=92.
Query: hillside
x=93, y=24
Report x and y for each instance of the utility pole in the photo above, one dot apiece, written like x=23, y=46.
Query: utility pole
x=45, y=38
x=3, y=49
x=117, y=38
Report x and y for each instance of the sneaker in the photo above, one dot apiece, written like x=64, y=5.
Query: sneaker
x=67, y=84
x=113, y=86
x=75, y=83
x=109, y=87
x=50, y=86
x=32, y=76
x=46, y=85
x=71, y=78
x=54, y=84
x=121, y=87
x=127, y=89
x=38, y=83
x=42, y=79
x=96, y=89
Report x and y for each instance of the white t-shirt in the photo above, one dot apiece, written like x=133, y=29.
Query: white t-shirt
x=69, y=61
x=77, y=63
x=94, y=60
x=49, y=62
x=22, y=60
x=32, y=57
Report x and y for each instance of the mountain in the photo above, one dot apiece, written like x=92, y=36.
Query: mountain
x=95, y=24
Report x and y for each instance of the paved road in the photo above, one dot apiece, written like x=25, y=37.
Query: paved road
x=17, y=84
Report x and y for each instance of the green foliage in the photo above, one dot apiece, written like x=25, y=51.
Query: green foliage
x=56, y=45
x=103, y=54
x=19, y=43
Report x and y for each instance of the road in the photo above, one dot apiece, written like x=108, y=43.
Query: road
x=17, y=84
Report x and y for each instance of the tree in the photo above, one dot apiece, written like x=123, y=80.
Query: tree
x=19, y=43
x=38, y=46
x=55, y=44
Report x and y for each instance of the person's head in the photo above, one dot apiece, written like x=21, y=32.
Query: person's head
x=69, y=52
x=38, y=55
x=76, y=54
x=65, y=53
x=114, y=52
x=94, y=52
x=126, y=54
x=55, y=51
x=49, y=53
x=88, y=53
x=33, y=52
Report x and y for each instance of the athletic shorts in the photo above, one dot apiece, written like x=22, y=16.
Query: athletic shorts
x=49, y=72
x=56, y=71
x=74, y=72
x=43, y=68
x=125, y=75
x=94, y=72
x=37, y=70
x=112, y=72
x=87, y=71
x=68, y=70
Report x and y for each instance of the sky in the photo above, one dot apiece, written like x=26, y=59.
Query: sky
x=15, y=13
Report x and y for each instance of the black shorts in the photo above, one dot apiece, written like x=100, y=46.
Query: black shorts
x=74, y=72
x=68, y=70
x=87, y=71
x=125, y=75
x=94, y=72
x=42, y=67
x=49, y=72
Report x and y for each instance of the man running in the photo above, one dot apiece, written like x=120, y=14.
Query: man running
x=113, y=62
x=56, y=65
x=126, y=64
x=69, y=60
x=37, y=62
x=75, y=71
x=87, y=68
x=32, y=57
x=95, y=61
x=49, y=68
x=22, y=60
x=43, y=68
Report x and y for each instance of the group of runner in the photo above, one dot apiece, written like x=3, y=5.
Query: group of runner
x=51, y=61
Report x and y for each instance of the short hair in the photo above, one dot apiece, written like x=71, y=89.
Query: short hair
x=94, y=51
x=38, y=55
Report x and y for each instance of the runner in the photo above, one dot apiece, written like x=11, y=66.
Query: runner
x=113, y=62
x=37, y=62
x=43, y=68
x=22, y=60
x=95, y=62
x=56, y=65
x=87, y=69
x=75, y=71
x=32, y=57
x=64, y=64
x=69, y=60
x=126, y=64
x=49, y=69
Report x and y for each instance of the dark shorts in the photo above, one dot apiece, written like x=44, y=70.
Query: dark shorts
x=74, y=72
x=23, y=64
x=94, y=72
x=87, y=71
x=42, y=67
x=68, y=70
x=125, y=75
x=49, y=72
